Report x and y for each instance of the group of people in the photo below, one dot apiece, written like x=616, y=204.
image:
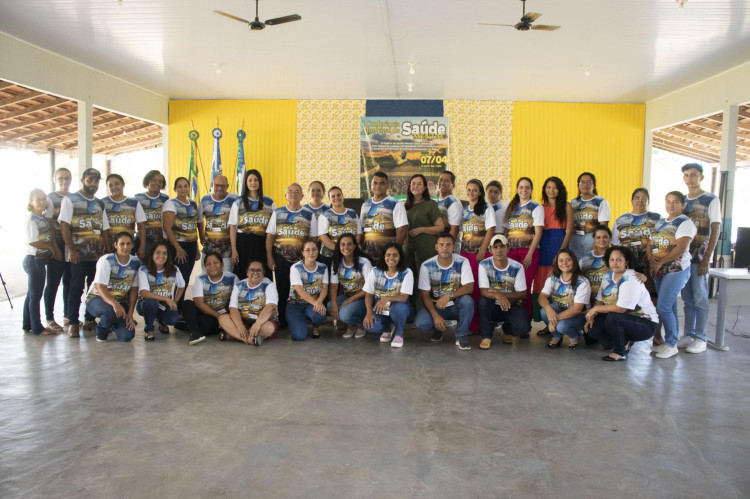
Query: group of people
x=484, y=267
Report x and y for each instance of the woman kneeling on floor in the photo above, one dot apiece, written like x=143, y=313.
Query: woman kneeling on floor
x=309, y=287
x=211, y=294
x=623, y=312
x=563, y=299
x=253, y=308
x=160, y=287
x=388, y=287
x=114, y=291
x=350, y=267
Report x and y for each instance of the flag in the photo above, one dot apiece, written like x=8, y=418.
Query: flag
x=193, y=168
x=240, y=161
x=216, y=158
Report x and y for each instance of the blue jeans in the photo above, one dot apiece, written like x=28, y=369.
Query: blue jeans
x=56, y=271
x=580, y=245
x=462, y=310
x=353, y=313
x=149, y=310
x=695, y=297
x=621, y=329
x=668, y=287
x=37, y=272
x=108, y=322
x=81, y=277
x=569, y=327
x=515, y=321
x=297, y=315
x=399, y=314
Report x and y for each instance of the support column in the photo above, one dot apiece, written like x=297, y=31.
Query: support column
x=648, y=142
x=51, y=151
x=85, y=136
x=165, y=156
x=728, y=164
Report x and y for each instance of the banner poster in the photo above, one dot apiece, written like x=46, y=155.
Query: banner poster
x=402, y=147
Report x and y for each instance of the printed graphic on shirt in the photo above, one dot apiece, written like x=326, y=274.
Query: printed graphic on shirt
x=473, y=230
x=317, y=211
x=152, y=209
x=291, y=228
x=378, y=226
x=55, y=199
x=121, y=216
x=610, y=293
x=445, y=205
x=586, y=214
x=312, y=282
x=504, y=280
x=663, y=239
x=86, y=227
x=216, y=294
x=337, y=225
x=158, y=284
x=254, y=220
x=350, y=280
x=216, y=217
x=185, y=224
x=387, y=286
x=634, y=231
x=121, y=279
x=521, y=226
x=593, y=269
x=563, y=293
x=44, y=230
x=251, y=301
x=698, y=211
x=443, y=281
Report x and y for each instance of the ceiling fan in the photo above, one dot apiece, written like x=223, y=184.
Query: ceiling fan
x=527, y=22
x=256, y=25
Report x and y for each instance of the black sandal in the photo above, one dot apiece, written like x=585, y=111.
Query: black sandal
x=543, y=332
x=552, y=346
x=149, y=336
x=573, y=346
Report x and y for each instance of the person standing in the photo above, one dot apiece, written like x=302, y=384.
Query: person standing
x=152, y=202
x=57, y=270
x=123, y=213
x=316, y=190
x=633, y=230
x=668, y=252
x=213, y=221
x=383, y=219
x=495, y=198
x=450, y=207
x=85, y=229
x=446, y=284
x=425, y=223
x=287, y=229
x=334, y=222
x=503, y=285
x=589, y=210
x=41, y=249
x=525, y=222
x=248, y=221
x=704, y=209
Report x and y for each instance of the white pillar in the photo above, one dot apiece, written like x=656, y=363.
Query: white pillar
x=648, y=142
x=85, y=135
x=728, y=164
x=165, y=154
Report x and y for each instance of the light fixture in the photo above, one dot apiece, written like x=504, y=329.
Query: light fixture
x=411, y=68
x=119, y=4
x=681, y=4
x=124, y=132
x=410, y=86
x=218, y=66
x=586, y=70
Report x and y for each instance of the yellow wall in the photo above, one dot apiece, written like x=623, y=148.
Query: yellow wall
x=270, y=146
x=564, y=139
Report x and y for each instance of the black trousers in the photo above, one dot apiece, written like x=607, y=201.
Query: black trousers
x=198, y=322
x=282, y=285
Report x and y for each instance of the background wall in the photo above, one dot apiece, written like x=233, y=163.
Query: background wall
x=564, y=140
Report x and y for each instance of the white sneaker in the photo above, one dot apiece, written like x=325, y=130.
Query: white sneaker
x=397, y=342
x=385, y=338
x=349, y=332
x=658, y=348
x=666, y=352
x=685, y=341
x=360, y=333
x=698, y=346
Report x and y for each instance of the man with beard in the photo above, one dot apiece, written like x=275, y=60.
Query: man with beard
x=85, y=230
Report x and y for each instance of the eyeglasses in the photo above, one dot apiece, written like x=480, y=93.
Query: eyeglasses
x=255, y=271
x=60, y=179
x=586, y=182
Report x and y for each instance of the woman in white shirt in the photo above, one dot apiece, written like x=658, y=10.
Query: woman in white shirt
x=160, y=287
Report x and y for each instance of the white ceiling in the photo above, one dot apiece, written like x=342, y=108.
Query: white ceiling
x=637, y=49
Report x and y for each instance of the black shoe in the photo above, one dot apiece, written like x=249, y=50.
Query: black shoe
x=573, y=346
x=606, y=345
x=523, y=335
x=552, y=346
x=589, y=340
x=607, y=358
x=437, y=335
x=181, y=325
x=222, y=335
x=164, y=329
x=195, y=339
x=543, y=332
x=257, y=341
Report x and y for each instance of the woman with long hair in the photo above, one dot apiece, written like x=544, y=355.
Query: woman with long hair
x=556, y=233
x=335, y=222
x=152, y=201
x=425, y=224
x=668, y=252
x=589, y=210
x=348, y=272
x=114, y=292
x=58, y=270
x=387, y=290
x=622, y=313
x=525, y=221
x=308, y=281
x=563, y=300
x=160, y=287
x=124, y=214
x=41, y=249
x=248, y=220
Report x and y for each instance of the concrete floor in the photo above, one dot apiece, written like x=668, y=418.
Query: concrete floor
x=355, y=418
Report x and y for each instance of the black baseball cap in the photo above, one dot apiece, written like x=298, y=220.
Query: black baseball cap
x=89, y=172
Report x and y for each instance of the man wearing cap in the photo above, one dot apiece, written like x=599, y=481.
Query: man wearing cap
x=502, y=284
x=446, y=284
x=383, y=219
x=704, y=209
x=213, y=221
x=85, y=230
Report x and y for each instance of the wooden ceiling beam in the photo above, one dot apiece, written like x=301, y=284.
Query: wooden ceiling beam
x=145, y=131
x=19, y=98
x=686, y=144
x=6, y=84
x=106, y=126
x=32, y=109
x=63, y=133
x=40, y=119
x=130, y=147
x=693, y=137
x=683, y=151
x=135, y=130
